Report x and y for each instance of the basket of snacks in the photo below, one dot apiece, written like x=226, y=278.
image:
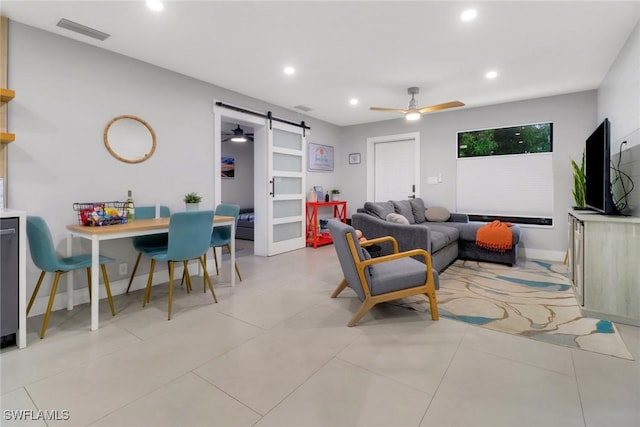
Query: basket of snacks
x=96, y=214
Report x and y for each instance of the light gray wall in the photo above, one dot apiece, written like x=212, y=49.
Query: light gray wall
x=619, y=101
x=573, y=116
x=66, y=93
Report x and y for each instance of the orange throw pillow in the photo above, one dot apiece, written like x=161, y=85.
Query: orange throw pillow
x=495, y=236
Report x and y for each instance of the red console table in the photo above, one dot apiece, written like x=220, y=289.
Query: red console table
x=314, y=236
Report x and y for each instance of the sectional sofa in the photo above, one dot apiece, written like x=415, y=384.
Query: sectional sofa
x=446, y=237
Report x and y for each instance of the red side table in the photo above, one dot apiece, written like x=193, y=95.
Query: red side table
x=314, y=236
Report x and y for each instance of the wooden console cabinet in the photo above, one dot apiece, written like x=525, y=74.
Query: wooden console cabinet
x=604, y=265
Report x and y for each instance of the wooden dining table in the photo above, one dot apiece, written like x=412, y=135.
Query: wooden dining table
x=138, y=227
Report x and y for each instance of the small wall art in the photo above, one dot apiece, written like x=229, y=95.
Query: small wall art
x=354, y=158
x=228, y=167
x=320, y=157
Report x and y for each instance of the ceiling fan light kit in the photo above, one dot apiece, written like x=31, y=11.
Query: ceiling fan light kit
x=413, y=112
x=238, y=135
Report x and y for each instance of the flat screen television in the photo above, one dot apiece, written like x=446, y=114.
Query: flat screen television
x=597, y=159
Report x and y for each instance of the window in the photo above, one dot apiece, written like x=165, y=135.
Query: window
x=506, y=173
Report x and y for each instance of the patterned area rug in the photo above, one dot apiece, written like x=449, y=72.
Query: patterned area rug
x=533, y=299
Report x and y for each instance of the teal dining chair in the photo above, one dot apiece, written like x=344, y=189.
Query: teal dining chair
x=150, y=242
x=189, y=238
x=221, y=236
x=45, y=258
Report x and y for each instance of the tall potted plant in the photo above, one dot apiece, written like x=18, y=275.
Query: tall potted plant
x=579, y=183
x=192, y=201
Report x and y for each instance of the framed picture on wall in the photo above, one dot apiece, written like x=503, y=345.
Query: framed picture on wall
x=354, y=158
x=320, y=157
x=228, y=167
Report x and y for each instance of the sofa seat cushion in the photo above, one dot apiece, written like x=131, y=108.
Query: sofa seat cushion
x=379, y=209
x=441, y=235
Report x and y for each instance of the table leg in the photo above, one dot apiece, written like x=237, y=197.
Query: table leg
x=70, y=274
x=95, y=281
x=233, y=254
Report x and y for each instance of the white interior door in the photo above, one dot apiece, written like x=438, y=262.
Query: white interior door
x=286, y=159
x=394, y=162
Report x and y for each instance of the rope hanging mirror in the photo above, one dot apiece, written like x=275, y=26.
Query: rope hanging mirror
x=129, y=139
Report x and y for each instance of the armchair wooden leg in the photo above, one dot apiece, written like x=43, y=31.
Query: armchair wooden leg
x=107, y=288
x=364, y=308
x=47, y=314
x=433, y=305
x=35, y=291
x=147, y=291
x=133, y=273
x=340, y=288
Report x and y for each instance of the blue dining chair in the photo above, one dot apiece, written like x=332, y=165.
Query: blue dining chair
x=45, y=258
x=189, y=238
x=151, y=242
x=221, y=236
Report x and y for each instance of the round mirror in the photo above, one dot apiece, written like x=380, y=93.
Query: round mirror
x=130, y=139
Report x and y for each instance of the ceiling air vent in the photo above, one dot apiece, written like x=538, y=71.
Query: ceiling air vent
x=82, y=29
x=303, y=108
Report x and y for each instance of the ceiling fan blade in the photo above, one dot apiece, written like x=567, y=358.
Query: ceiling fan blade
x=444, y=106
x=394, y=110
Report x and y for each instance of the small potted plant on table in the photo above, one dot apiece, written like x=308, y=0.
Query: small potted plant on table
x=335, y=195
x=192, y=201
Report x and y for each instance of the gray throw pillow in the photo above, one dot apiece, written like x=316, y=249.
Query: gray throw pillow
x=403, y=207
x=417, y=207
x=379, y=209
x=437, y=214
x=397, y=219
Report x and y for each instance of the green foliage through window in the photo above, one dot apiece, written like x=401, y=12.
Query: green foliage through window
x=525, y=139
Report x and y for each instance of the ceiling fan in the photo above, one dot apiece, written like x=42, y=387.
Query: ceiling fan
x=413, y=112
x=237, y=135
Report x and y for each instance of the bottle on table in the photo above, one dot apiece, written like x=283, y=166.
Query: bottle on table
x=131, y=207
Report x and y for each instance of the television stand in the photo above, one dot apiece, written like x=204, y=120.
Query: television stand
x=603, y=265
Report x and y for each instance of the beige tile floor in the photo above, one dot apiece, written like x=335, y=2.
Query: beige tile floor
x=275, y=351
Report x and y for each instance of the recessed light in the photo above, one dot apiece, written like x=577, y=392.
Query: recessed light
x=491, y=74
x=353, y=101
x=469, y=15
x=289, y=70
x=155, y=5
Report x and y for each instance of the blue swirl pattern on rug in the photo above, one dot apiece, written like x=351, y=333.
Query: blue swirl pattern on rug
x=533, y=299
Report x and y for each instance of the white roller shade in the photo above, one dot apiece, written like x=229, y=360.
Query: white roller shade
x=519, y=185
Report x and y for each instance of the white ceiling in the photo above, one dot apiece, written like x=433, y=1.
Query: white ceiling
x=372, y=51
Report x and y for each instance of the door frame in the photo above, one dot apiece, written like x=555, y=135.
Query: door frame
x=372, y=141
x=259, y=124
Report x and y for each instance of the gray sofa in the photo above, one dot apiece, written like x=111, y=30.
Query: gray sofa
x=446, y=241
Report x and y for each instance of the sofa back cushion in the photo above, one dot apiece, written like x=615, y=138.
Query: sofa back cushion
x=379, y=209
x=403, y=207
x=417, y=207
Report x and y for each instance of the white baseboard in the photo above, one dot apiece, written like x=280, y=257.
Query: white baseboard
x=81, y=295
x=543, y=254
